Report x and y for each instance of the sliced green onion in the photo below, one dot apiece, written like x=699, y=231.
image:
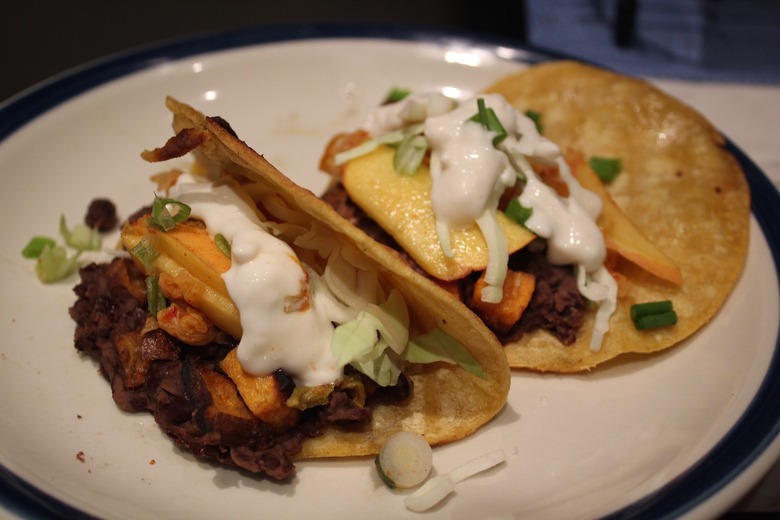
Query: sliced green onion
x=518, y=212
x=162, y=216
x=656, y=321
x=154, y=295
x=487, y=117
x=653, y=315
x=606, y=168
x=222, y=244
x=410, y=154
x=35, y=246
x=146, y=253
x=645, y=309
x=81, y=237
x=53, y=264
x=536, y=117
x=405, y=460
x=396, y=94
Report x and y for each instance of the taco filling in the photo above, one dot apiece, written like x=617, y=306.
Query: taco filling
x=257, y=328
x=494, y=199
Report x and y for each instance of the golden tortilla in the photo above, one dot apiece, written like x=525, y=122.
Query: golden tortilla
x=679, y=186
x=448, y=403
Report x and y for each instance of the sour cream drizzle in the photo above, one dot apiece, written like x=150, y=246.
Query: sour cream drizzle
x=469, y=174
x=265, y=274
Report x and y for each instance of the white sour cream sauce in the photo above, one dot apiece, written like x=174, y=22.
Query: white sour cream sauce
x=468, y=175
x=264, y=272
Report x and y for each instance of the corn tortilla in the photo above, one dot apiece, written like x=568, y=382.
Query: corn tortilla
x=447, y=402
x=679, y=186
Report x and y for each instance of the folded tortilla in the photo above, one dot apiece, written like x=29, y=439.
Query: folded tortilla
x=447, y=402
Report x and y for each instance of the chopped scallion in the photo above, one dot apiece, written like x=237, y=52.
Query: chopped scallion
x=167, y=213
x=606, y=168
x=81, y=237
x=645, y=309
x=487, y=117
x=656, y=321
x=35, y=246
x=653, y=315
x=222, y=244
x=154, y=296
x=518, y=212
x=396, y=94
x=53, y=264
x=536, y=117
x=146, y=253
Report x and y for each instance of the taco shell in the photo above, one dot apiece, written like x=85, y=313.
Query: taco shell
x=679, y=187
x=447, y=403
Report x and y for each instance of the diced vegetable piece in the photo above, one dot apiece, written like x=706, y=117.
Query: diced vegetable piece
x=154, y=295
x=645, y=309
x=53, y=264
x=261, y=394
x=656, y=321
x=35, y=246
x=396, y=94
x=501, y=316
x=222, y=244
x=607, y=168
x=653, y=315
x=518, y=212
x=536, y=117
x=166, y=213
x=487, y=117
x=81, y=237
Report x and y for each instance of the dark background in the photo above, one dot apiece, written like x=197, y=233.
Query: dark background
x=41, y=38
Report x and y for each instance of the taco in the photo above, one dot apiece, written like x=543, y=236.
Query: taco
x=259, y=327
x=560, y=204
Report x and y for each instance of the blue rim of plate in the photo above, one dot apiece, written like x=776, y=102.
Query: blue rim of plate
x=741, y=447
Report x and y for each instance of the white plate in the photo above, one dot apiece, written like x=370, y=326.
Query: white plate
x=685, y=431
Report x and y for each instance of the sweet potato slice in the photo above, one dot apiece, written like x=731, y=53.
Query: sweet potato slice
x=518, y=289
x=262, y=395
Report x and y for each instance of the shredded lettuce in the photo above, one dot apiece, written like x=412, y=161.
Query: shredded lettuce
x=437, y=345
x=377, y=344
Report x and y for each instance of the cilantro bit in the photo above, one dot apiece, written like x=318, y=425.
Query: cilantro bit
x=606, y=168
